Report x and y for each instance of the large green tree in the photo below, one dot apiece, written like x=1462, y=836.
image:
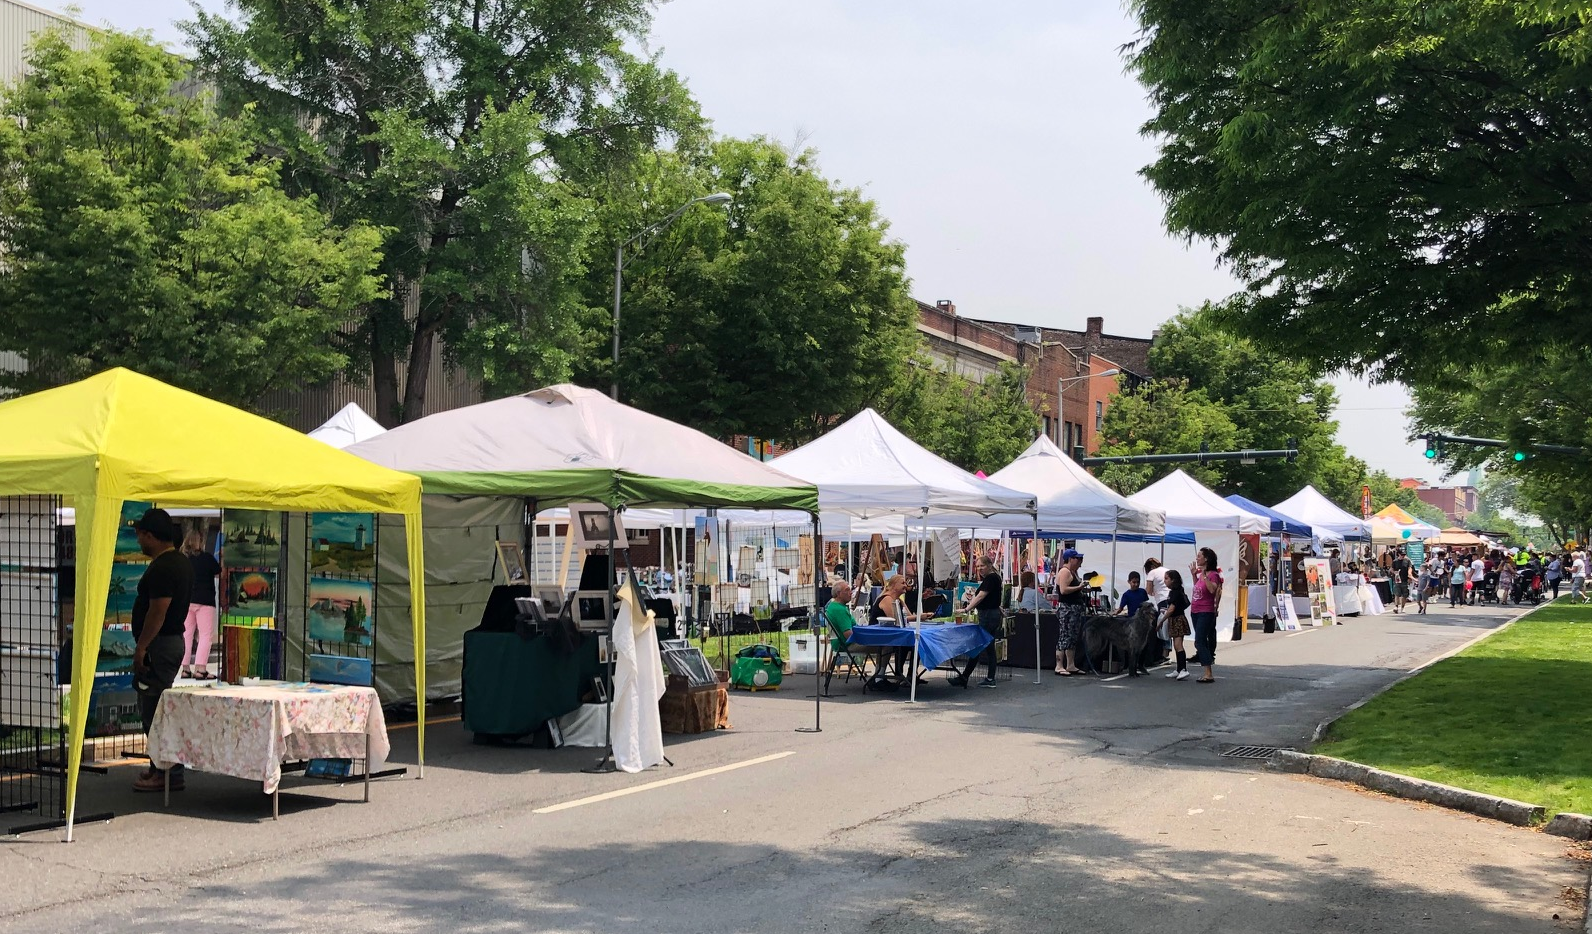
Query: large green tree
x=477, y=133
x=141, y=229
x=1402, y=184
x=975, y=425
x=776, y=316
x=1164, y=416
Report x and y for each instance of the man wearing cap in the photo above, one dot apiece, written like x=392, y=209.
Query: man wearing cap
x=159, y=613
x=1071, y=610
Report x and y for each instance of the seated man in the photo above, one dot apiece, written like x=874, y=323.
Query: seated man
x=838, y=614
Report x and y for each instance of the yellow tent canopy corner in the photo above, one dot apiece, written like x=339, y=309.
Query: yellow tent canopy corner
x=1456, y=537
x=121, y=436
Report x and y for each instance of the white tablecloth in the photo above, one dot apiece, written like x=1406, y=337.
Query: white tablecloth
x=248, y=732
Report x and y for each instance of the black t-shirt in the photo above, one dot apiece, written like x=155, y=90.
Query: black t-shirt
x=1401, y=570
x=205, y=568
x=1179, y=602
x=990, y=587
x=169, y=575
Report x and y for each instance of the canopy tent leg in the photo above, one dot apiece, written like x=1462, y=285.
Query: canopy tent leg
x=606, y=763
x=819, y=629
x=1038, y=678
x=414, y=544
x=1113, y=581
x=100, y=515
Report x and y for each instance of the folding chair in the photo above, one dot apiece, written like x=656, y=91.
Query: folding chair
x=856, y=661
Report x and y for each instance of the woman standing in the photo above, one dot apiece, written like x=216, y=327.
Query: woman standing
x=200, y=629
x=1202, y=606
x=1069, y=612
x=1174, y=621
x=1555, y=573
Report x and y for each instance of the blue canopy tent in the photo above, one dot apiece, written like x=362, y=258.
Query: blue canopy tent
x=1280, y=524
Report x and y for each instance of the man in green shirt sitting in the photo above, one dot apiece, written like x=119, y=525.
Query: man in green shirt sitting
x=838, y=613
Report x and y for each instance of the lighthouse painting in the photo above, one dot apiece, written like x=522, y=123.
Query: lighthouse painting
x=343, y=543
x=341, y=610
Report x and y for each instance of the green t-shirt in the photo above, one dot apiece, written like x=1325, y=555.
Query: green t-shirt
x=839, y=616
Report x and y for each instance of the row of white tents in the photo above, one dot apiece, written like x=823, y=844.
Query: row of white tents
x=870, y=479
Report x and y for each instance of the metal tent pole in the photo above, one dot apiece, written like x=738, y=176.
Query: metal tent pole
x=1038, y=679
x=818, y=628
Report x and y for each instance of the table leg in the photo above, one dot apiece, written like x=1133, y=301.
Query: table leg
x=165, y=792
x=913, y=671
x=367, y=768
x=276, y=801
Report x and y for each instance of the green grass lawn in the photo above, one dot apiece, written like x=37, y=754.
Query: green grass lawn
x=713, y=646
x=1508, y=716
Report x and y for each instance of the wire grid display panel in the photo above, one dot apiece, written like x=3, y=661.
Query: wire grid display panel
x=340, y=615
x=32, y=738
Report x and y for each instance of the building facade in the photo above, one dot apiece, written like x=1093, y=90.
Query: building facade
x=1456, y=502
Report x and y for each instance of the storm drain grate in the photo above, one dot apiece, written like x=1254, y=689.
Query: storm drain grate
x=1249, y=752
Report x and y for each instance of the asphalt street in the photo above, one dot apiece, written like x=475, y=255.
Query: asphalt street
x=1073, y=804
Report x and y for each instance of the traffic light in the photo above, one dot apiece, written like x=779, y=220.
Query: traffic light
x=1433, y=446
x=1520, y=456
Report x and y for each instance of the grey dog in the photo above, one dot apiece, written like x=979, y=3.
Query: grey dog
x=1127, y=634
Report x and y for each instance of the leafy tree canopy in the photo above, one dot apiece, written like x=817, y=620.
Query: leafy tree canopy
x=141, y=229
x=476, y=133
x=776, y=317
x=977, y=426
x=1401, y=183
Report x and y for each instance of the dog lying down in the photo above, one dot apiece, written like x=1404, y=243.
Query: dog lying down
x=1126, y=634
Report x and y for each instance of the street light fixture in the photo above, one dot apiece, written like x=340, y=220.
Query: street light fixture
x=619, y=264
x=1061, y=400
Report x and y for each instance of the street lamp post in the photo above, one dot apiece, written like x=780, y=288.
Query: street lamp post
x=619, y=265
x=1061, y=400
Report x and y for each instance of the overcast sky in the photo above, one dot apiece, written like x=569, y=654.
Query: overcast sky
x=1002, y=145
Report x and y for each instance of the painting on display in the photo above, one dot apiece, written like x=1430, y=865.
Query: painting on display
x=127, y=549
x=250, y=594
x=342, y=610
x=1318, y=587
x=1286, y=620
x=253, y=538
x=343, y=543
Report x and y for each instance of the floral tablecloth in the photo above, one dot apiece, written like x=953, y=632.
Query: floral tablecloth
x=248, y=732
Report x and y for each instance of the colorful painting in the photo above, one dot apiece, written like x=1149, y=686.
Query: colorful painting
x=250, y=594
x=342, y=611
x=126, y=539
x=123, y=591
x=253, y=538
x=343, y=542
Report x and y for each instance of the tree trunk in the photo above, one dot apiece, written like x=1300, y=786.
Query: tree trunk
x=383, y=377
x=419, y=369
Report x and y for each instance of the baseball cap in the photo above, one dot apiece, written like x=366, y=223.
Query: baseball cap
x=158, y=522
x=1071, y=553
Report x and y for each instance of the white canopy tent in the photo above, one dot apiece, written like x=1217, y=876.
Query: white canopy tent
x=349, y=426
x=1309, y=506
x=1069, y=499
x=1216, y=524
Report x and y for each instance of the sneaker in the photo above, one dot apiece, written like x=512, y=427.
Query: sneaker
x=1182, y=675
x=987, y=683
x=1173, y=674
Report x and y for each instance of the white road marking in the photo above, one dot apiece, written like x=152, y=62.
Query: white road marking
x=1193, y=811
x=638, y=789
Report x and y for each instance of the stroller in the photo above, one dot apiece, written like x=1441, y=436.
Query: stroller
x=1528, y=587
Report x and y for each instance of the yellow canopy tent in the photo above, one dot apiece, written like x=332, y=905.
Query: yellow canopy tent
x=120, y=436
x=1456, y=537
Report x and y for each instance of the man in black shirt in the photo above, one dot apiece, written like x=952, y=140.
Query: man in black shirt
x=158, y=616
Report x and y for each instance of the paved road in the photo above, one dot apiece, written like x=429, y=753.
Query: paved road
x=1073, y=804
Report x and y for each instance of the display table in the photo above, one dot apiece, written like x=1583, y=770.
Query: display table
x=249, y=731
x=1022, y=640
x=932, y=645
x=513, y=686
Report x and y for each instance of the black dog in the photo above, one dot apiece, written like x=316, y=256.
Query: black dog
x=1127, y=634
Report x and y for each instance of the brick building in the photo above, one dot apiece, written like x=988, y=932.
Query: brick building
x=1062, y=383
x=1456, y=502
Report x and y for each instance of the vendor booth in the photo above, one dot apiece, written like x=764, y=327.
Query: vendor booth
x=565, y=445
x=120, y=437
x=1217, y=524
x=878, y=480
x=1309, y=506
x=1395, y=526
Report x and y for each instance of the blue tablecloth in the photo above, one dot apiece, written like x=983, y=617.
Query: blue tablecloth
x=936, y=644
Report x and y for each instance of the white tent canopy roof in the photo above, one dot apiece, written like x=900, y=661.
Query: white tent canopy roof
x=1309, y=506
x=1190, y=505
x=866, y=468
x=1070, y=499
x=349, y=426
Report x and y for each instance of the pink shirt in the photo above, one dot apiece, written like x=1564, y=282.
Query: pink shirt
x=1200, y=600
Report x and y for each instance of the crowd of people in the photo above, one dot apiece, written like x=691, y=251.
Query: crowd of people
x=1481, y=576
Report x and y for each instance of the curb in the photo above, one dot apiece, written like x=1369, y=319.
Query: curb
x=1322, y=727
x=1509, y=811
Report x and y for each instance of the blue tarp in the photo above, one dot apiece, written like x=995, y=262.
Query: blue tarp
x=1280, y=524
x=936, y=644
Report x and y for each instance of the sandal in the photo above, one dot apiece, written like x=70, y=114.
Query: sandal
x=1204, y=680
x=1064, y=674
x=1075, y=671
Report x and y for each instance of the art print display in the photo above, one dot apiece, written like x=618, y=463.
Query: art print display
x=1318, y=587
x=1286, y=621
x=127, y=549
x=123, y=593
x=249, y=594
x=342, y=610
x=252, y=539
x=343, y=543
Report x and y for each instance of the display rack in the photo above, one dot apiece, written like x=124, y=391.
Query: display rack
x=250, y=602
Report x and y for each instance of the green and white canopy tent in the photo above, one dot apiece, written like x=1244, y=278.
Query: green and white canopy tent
x=485, y=467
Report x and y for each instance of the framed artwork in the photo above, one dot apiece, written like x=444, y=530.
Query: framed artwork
x=1285, y=613
x=249, y=594
x=343, y=543
x=127, y=549
x=594, y=525
x=513, y=562
x=251, y=538
x=342, y=610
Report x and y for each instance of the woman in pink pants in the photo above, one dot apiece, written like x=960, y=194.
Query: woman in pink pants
x=200, y=629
